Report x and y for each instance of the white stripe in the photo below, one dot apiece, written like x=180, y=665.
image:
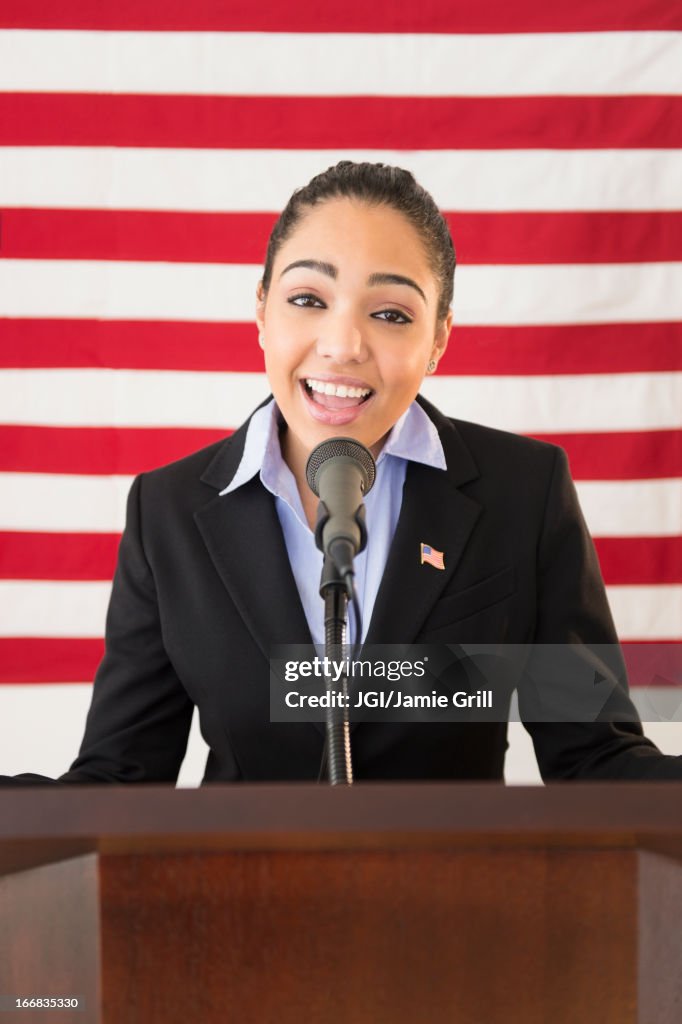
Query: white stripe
x=652, y=703
x=632, y=508
x=44, y=502
x=123, y=290
x=660, y=708
x=42, y=724
x=484, y=294
x=647, y=613
x=78, y=609
x=41, y=728
x=256, y=180
x=350, y=64
x=171, y=398
x=53, y=609
x=562, y=403
x=129, y=397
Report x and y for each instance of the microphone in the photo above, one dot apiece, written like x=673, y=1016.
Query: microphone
x=340, y=472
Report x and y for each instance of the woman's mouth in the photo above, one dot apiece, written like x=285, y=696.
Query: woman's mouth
x=336, y=404
x=335, y=396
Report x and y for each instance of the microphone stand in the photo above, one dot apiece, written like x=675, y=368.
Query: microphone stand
x=333, y=590
x=339, y=472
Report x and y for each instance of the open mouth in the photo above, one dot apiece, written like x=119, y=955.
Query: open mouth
x=335, y=396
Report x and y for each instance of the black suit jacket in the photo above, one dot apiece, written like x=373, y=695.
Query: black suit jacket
x=204, y=589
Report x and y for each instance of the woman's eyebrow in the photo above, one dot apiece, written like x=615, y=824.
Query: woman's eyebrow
x=324, y=268
x=395, y=279
x=374, y=279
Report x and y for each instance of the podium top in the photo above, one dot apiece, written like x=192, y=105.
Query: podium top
x=44, y=823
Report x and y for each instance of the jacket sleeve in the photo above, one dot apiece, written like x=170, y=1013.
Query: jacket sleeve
x=140, y=715
x=572, y=609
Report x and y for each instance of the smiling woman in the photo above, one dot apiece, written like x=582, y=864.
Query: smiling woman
x=349, y=322
x=353, y=308
x=474, y=535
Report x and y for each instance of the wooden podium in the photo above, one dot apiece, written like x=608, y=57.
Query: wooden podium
x=377, y=904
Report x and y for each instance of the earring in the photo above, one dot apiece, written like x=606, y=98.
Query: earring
x=261, y=340
x=431, y=365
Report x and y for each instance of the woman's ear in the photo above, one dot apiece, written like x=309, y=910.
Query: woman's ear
x=260, y=314
x=440, y=341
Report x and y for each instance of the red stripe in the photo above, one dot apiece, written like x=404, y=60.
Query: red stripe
x=58, y=556
x=516, y=351
x=480, y=238
x=351, y=16
x=340, y=122
x=97, y=450
x=47, y=660
x=656, y=663
x=566, y=237
x=142, y=235
x=565, y=348
x=92, y=556
x=73, y=660
x=636, y=455
x=137, y=345
x=622, y=455
x=640, y=560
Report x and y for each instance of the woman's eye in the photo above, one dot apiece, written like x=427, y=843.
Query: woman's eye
x=393, y=316
x=305, y=301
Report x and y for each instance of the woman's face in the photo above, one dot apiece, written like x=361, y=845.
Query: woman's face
x=349, y=324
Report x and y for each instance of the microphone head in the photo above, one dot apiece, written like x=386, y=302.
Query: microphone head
x=346, y=447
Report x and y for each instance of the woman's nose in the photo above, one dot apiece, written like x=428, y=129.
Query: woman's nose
x=341, y=339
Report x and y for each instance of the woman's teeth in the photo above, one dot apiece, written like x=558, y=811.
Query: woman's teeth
x=337, y=390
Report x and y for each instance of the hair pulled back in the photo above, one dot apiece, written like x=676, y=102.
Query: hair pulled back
x=374, y=184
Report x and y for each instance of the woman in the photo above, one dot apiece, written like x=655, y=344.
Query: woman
x=218, y=563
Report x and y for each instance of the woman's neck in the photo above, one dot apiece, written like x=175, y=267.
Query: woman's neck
x=296, y=458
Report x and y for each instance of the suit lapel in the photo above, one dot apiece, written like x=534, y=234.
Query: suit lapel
x=433, y=512
x=245, y=541
x=244, y=538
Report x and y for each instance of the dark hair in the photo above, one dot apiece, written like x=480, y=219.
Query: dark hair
x=375, y=184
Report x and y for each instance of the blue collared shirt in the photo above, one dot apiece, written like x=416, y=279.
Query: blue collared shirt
x=413, y=438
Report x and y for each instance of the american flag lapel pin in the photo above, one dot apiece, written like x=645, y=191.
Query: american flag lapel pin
x=431, y=556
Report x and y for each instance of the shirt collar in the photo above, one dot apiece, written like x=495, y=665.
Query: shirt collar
x=413, y=438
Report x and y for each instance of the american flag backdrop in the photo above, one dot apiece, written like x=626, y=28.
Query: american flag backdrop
x=147, y=147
